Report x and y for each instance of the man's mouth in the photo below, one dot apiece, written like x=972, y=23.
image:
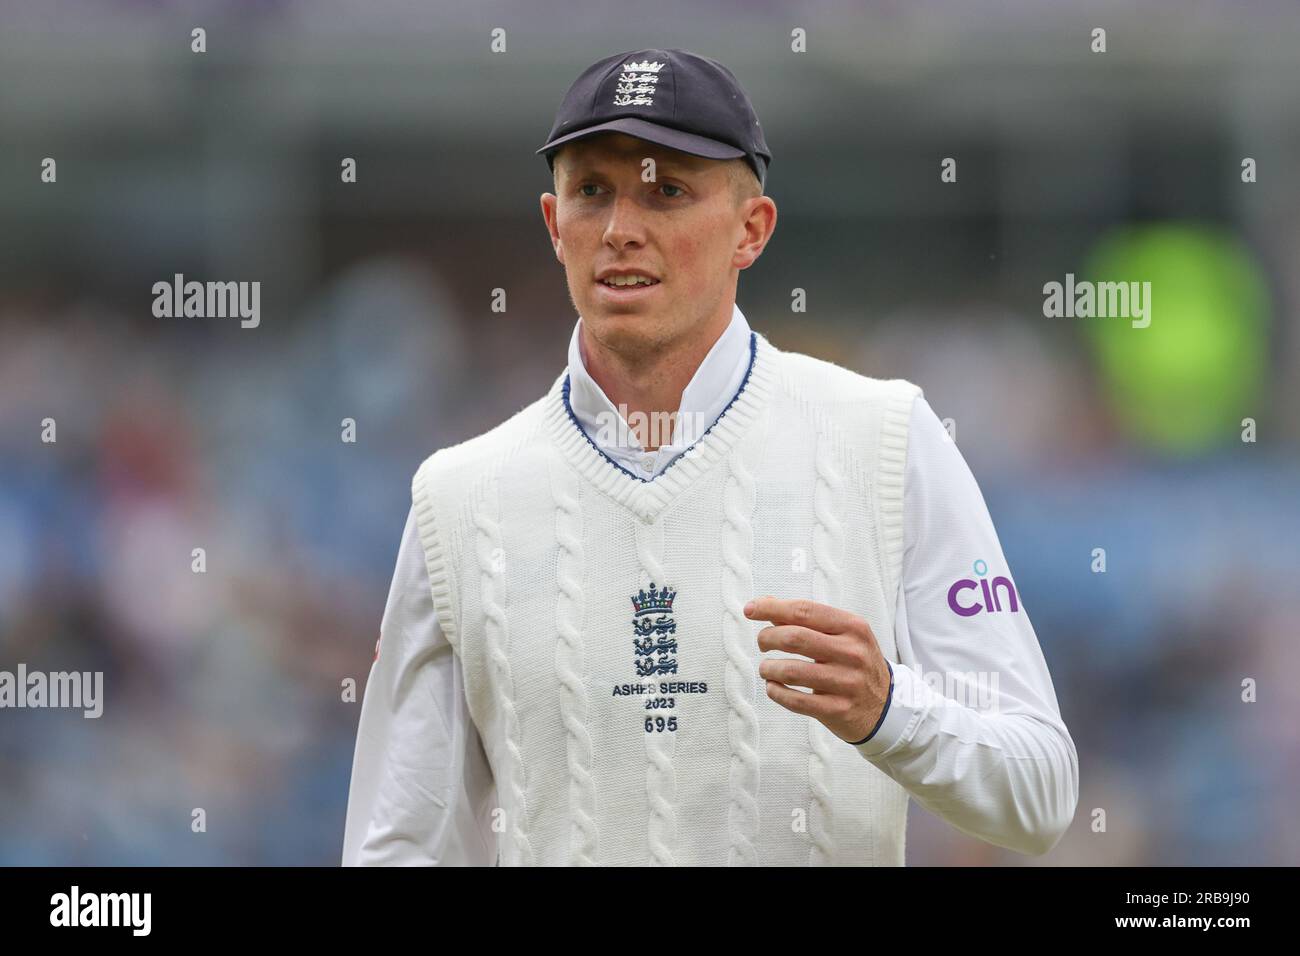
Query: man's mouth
x=627, y=281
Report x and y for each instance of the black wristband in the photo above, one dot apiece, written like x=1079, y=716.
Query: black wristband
x=888, y=701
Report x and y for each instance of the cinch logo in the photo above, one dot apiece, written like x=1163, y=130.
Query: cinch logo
x=992, y=597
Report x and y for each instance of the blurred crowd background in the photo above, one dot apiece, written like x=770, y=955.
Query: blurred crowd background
x=223, y=688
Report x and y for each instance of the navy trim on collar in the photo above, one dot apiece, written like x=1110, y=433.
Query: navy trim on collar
x=753, y=351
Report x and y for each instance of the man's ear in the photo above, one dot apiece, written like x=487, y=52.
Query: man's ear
x=758, y=226
x=548, y=202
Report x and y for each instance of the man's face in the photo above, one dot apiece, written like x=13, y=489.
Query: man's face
x=685, y=231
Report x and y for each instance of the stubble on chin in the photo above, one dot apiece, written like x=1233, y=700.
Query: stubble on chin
x=628, y=337
x=627, y=334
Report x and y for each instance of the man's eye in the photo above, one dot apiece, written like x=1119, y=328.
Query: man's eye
x=585, y=186
x=671, y=186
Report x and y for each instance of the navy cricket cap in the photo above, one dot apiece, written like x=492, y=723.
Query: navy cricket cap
x=673, y=98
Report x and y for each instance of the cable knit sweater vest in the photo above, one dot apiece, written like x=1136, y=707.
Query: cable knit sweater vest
x=598, y=621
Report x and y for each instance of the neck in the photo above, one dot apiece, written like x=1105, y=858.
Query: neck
x=646, y=386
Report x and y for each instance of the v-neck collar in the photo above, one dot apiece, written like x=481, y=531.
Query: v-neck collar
x=647, y=497
x=711, y=388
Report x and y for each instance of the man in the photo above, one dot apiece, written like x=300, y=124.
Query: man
x=688, y=607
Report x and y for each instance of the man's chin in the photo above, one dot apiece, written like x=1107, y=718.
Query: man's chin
x=623, y=330
x=599, y=316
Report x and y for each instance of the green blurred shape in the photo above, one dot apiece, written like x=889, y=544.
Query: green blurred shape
x=1185, y=382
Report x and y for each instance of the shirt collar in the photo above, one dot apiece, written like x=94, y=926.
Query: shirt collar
x=710, y=389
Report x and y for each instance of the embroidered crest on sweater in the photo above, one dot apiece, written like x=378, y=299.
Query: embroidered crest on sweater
x=653, y=627
x=654, y=653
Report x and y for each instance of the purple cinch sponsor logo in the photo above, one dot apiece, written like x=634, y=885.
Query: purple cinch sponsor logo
x=992, y=592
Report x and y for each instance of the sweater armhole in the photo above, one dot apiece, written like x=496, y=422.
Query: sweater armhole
x=891, y=467
x=423, y=496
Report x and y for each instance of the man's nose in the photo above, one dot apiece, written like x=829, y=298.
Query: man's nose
x=625, y=223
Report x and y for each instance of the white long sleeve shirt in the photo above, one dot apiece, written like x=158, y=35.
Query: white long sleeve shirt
x=972, y=730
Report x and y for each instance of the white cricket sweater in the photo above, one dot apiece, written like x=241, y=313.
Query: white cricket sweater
x=598, y=621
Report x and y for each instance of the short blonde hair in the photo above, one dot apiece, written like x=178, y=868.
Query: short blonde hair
x=744, y=182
